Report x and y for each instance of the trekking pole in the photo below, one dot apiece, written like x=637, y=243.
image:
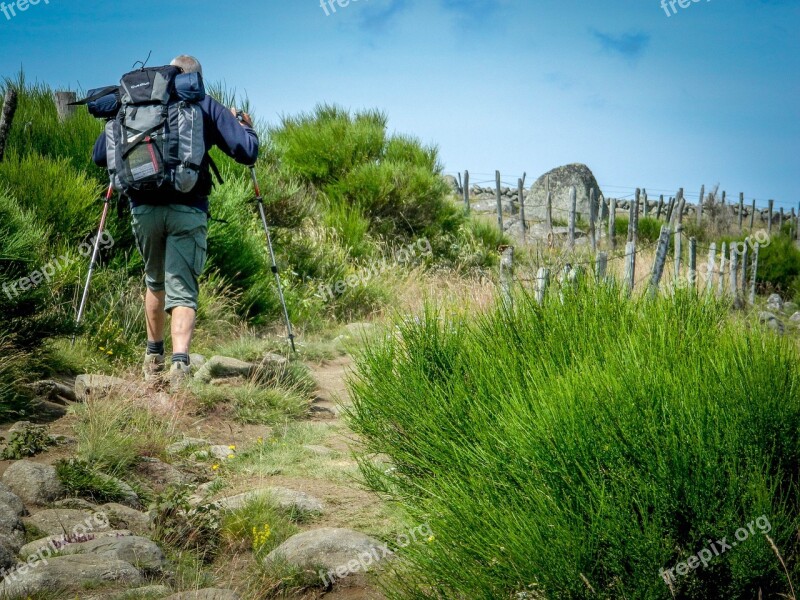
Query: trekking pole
x=93, y=263
x=260, y=200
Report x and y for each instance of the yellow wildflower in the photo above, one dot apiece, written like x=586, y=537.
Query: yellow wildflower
x=214, y=467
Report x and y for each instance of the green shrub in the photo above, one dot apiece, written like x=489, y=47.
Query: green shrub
x=27, y=442
x=779, y=266
x=81, y=480
x=547, y=459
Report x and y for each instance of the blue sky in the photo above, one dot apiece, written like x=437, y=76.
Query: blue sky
x=707, y=95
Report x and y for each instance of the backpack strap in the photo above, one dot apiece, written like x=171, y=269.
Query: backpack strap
x=106, y=91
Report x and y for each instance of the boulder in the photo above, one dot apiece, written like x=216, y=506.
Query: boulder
x=129, y=518
x=11, y=500
x=68, y=521
x=197, y=361
x=342, y=551
x=34, y=483
x=7, y=557
x=56, y=542
x=161, y=474
x=129, y=496
x=789, y=308
x=452, y=184
x=79, y=571
x=795, y=318
x=138, y=551
x=221, y=452
x=771, y=321
x=284, y=498
x=222, y=367
x=12, y=532
x=76, y=503
x=774, y=303
x=561, y=179
x=206, y=594
x=186, y=444
x=97, y=386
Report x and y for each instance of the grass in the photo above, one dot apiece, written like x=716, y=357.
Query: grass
x=81, y=480
x=592, y=440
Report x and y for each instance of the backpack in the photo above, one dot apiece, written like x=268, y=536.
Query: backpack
x=154, y=129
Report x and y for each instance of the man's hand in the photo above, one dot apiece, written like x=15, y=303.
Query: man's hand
x=243, y=117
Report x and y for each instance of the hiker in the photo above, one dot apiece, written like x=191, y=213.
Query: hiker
x=170, y=228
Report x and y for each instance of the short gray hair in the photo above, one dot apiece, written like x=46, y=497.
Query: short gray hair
x=189, y=64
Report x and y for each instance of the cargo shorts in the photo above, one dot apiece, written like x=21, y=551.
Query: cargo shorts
x=172, y=240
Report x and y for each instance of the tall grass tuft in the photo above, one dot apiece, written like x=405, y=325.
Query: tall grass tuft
x=585, y=444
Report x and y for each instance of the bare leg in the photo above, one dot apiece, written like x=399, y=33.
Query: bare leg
x=156, y=317
x=183, y=320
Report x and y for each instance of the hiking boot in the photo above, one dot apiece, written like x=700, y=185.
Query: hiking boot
x=153, y=367
x=178, y=374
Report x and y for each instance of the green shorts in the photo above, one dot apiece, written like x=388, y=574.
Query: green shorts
x=172, y=242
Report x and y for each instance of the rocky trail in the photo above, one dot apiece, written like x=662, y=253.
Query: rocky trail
x=57, y=545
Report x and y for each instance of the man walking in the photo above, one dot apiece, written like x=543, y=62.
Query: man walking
x=170, y=228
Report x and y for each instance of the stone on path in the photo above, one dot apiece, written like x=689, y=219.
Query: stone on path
x=34, y=483
x=10, y=499
x=222, y=367
x=98, y=386
x=68, y=521
x=284, y=498
x=58, y=541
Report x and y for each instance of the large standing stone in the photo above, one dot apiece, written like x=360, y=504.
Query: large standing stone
x=77, y=572
x=34, y=483
x=561, y=179
x=342, y=551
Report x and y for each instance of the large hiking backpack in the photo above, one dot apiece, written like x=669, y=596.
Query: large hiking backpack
x=154, y=132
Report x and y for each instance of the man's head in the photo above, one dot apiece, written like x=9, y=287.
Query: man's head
x=189, y=64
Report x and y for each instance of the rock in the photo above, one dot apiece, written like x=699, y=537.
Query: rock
x=76, y=503
x=78, y=572
x=10, y=499
x=789, y=308
x=222, y=367
x=97, y=386
x=7, y=558
x=561, y=178
x=162, y=474
x=220, y=452
x=186, y=444
x=452, y=184
x=774, y=303
x=58, y=541
x=148, y=591
x=274, y=362
x=286, y=499
x=53, y=391
x=771, y=321
x=18, y=427
x=138, y=551
x=197, y=361
x=124, y=516
x=206, y=594
x=129, y=496
x=795, y=318
x=34, y=483
x=68, y=521
x=342, y=551
x=12, y=532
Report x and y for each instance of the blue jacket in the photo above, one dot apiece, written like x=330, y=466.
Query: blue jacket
x=221, y=129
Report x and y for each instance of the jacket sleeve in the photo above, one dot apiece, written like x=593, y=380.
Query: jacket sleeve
x=99, y=152
x=237, y=141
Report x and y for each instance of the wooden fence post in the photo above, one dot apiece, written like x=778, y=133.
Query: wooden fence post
x=670, y=210
x=754, y=273
x=734, y=281
x=745, y=253
x=62, y=101
x=612, y=223
x=693, y=263
x=780, y=221
x=753, y=215
x=7, y=118
x=592, y=216
x=499, y=194
x=741, y=210
x=631, y=220
x=661, y=259
x=600, y=266
x=712, y=258
x=466, y=192
x=646, y=207
x=769, y=217
x=542, y=281
x=507, y=273
x=722, y=258
x=700, y=205
x=572, y=209
x=660, y=206
x=630, y=266
x=636, y=208
x=521, y=192
x=678, y=243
